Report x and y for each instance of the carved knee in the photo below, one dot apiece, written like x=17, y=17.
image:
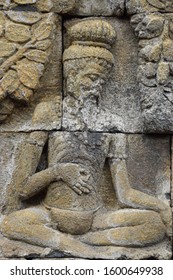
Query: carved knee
x=10, y=224
x=18, y=221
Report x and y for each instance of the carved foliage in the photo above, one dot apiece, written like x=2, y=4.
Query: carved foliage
x=155, y=71
x=25, y=44
x=60, y=6
x=138, y=6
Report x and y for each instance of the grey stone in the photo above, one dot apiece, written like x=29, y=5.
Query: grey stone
x=90, y=151
x=118, y=107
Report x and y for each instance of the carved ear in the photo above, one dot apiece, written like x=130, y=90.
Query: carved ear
x=25, y=45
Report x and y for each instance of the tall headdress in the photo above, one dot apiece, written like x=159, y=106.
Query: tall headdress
x=91, y=38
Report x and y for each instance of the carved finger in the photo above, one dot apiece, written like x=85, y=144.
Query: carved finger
x=83, y=189
x=86, y=186
x=76, y=190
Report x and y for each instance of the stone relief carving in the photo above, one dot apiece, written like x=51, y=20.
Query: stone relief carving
x=87, y=64
x=71, y=217
x=72, y=203
x=24, y=49
x=62, y=6
x=140, y=6
x=71, y=192
x=154, y=31
x=110, y=110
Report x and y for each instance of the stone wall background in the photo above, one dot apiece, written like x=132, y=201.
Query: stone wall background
x=138, y=100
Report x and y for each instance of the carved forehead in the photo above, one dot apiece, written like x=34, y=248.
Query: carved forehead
x=78, y=52
x=87, y=65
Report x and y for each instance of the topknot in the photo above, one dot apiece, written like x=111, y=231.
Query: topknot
x=93, y=30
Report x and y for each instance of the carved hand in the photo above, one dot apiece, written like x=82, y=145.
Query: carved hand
x=76, y=177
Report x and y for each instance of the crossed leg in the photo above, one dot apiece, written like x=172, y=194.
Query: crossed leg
x=121, y=228
x=126, y=228
x=34, y=226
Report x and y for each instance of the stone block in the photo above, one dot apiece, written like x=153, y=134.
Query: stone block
x=30, y=69
x=155, y=71
x=145, y=6
x=60, y=6
x=117, y=107
x=99, y=8
x=19, y=155
x=147, y=172
x=75, y=7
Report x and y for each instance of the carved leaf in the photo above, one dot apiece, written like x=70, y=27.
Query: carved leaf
x=44, y=5
x=17, y=32
x=171, y=29
x=163, y=72
x=10, y=81
x=157, y=3
x=37, y=55
x=168, y=50
x=43, y=30
x=43, y=45
x=6, y=48
x=29, y=72
x=2, y=94
x=2, y=22
x=151, y=53
x=24, y=17
x=25, y=40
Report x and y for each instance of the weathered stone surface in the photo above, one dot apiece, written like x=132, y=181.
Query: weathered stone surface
x=64, y=6
x=10, y=81
x=60, y=6
x=2, y=22
x=117, y=106
x=53, y=73
x=141, y=6
x=24, y=67
x=15, y=249
x=171, y=171
x=17, y=164
x=83, y=153
x=37, y=56
x=99, y=8
x=87, y=192
x=44, y=5
x=31, y=117
x=17, y=32
x=29, y=72
x=22, y=94
x=6, y=48
x=76, y=7
x=24, y=17
x=150, y=155
x=155, y=48
x=23, y=2
x=168, y=50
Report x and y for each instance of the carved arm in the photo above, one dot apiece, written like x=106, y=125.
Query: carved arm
x=136, y=199
x=76, y=177
x=37, y=183
x=128, y=196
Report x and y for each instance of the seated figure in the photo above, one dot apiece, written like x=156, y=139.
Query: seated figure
x=72, y=218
